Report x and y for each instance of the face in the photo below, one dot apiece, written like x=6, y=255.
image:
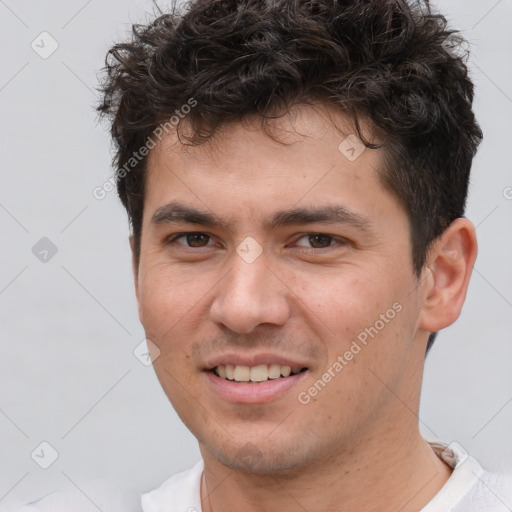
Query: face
x=276, y=280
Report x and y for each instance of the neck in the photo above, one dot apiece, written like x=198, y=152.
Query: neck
x=384, y=475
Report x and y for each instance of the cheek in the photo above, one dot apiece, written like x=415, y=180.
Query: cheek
x=341, y=302
x=169, y=297
x=170, y=304
x=364, y=318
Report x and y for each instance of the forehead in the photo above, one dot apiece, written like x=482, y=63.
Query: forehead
x=309, y=156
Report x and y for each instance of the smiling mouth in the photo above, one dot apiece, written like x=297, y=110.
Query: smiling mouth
x=255, y=374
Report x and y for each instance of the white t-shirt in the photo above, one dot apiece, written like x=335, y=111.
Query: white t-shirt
x=469, y=489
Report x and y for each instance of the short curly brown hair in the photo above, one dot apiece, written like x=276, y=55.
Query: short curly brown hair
x=390, y=62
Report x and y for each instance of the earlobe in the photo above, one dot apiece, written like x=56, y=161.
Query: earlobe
x=450, y=263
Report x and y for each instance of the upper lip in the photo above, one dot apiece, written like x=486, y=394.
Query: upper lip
x=237, y=359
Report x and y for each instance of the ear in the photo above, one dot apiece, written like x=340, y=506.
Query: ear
x=446, y=275
x=135, y=270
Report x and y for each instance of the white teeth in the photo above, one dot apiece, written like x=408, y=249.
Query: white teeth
x=260, y=373
x=274, y=371
x=242, y=373
x=285, y=371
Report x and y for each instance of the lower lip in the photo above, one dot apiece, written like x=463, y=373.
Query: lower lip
x=250, y=392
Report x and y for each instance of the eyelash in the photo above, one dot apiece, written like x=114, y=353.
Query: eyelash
x=333, y=238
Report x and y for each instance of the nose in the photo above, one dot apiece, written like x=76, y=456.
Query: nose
x=250, y=294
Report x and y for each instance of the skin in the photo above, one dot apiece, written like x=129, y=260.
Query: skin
x=356, y=445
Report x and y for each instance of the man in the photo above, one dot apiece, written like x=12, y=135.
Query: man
x=295, y=174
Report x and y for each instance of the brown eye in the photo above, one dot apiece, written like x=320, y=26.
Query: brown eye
x=197, y=239
x=319, y=241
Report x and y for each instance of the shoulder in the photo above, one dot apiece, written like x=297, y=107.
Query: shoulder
x=181, y=492
x=492, y=493
x=470, y=488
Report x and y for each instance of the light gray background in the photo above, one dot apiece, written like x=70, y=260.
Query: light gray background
x=69, y=326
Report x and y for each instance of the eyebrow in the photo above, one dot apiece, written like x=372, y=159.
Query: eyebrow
x=334, y=214
x=174, y=212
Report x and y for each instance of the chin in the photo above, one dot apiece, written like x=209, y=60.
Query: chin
x=259, y=458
